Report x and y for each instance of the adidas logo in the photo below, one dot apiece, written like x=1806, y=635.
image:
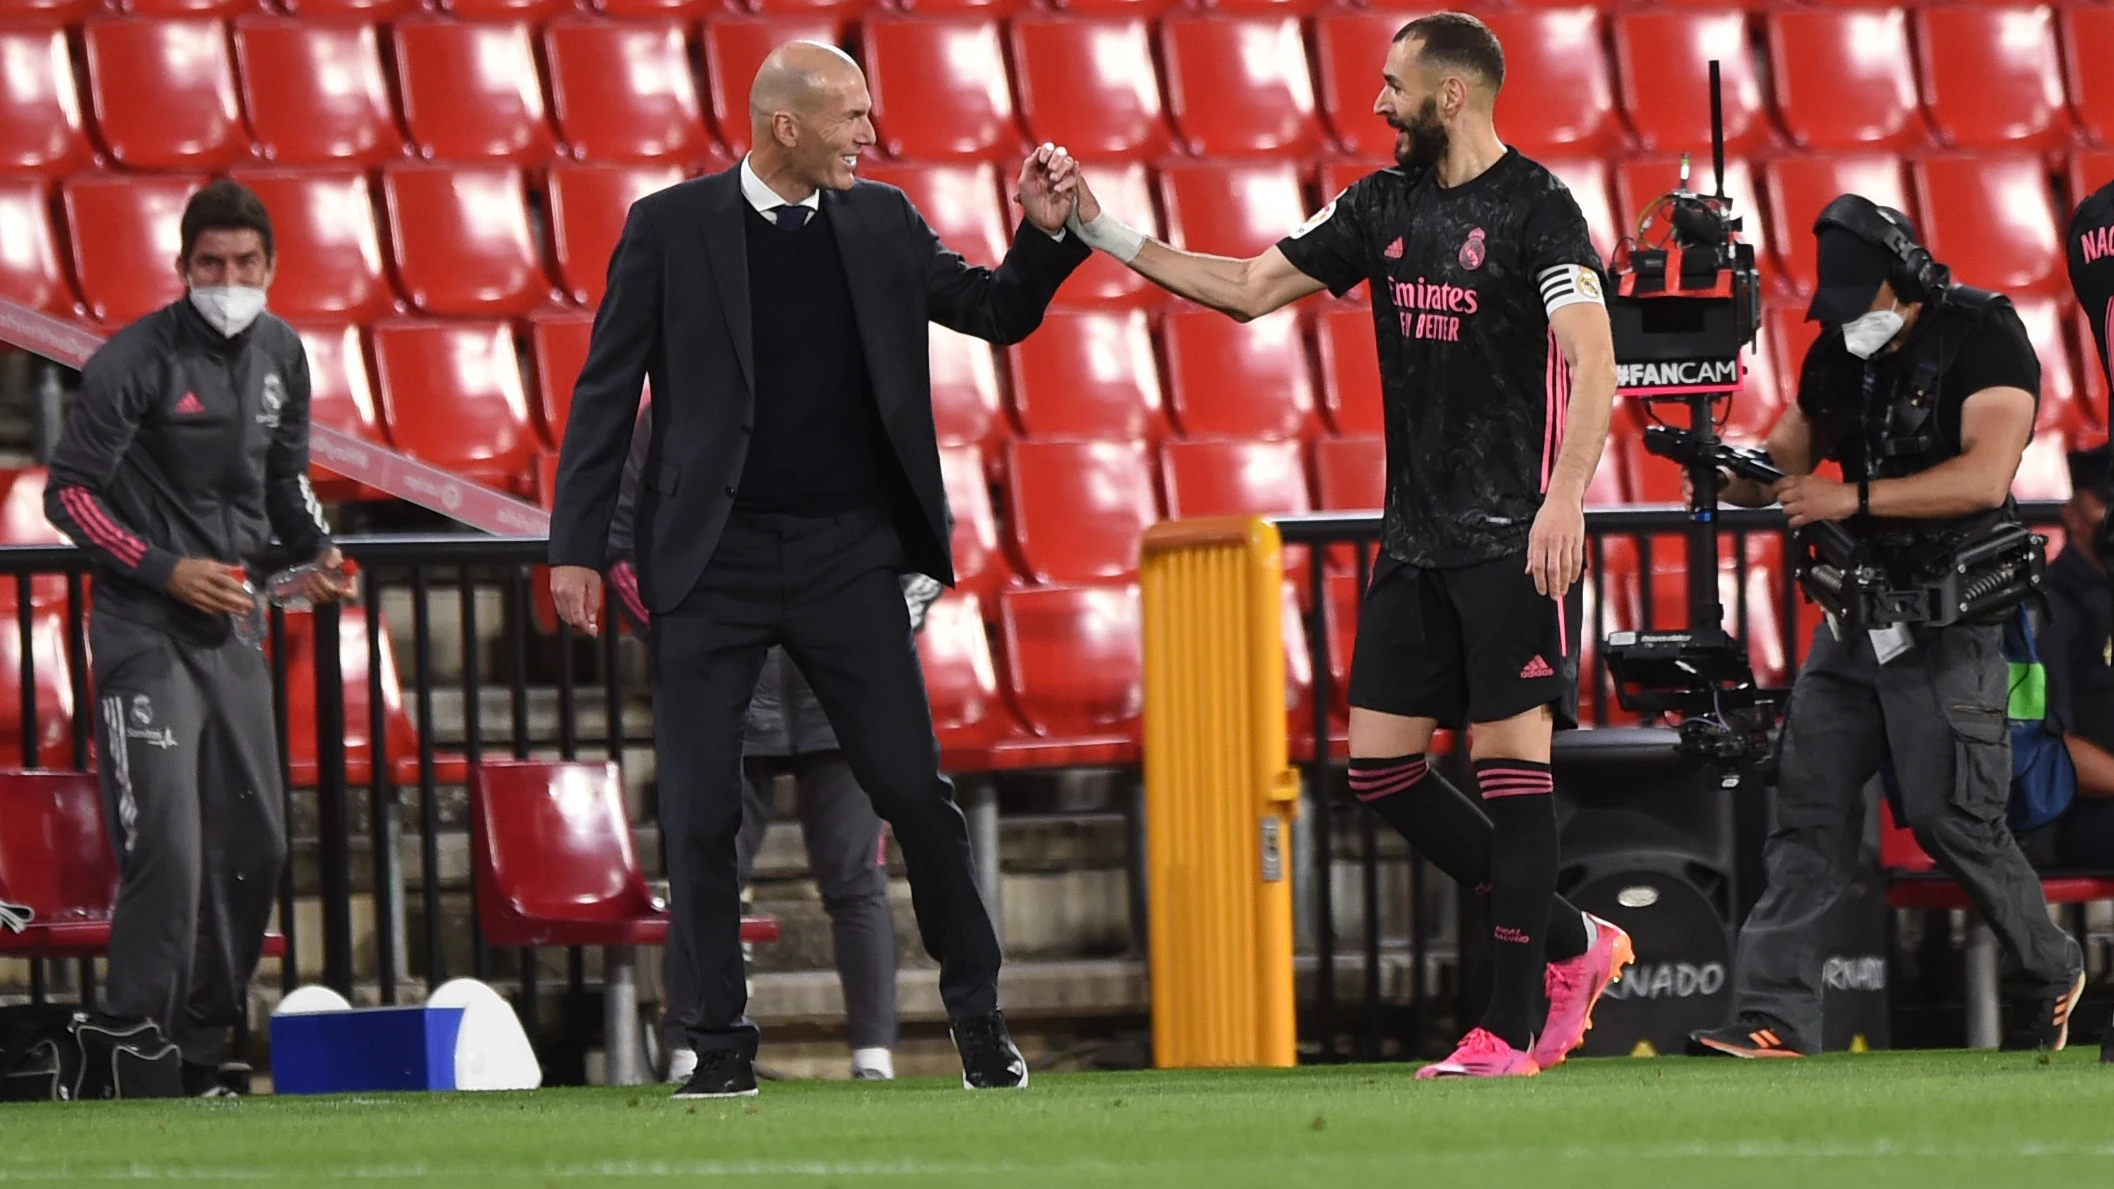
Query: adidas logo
x=189, y=405
x=1537, y=668
x=1394, y=250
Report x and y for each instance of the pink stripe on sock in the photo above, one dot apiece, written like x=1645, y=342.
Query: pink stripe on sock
x=1371, y=784
x=1503, y=780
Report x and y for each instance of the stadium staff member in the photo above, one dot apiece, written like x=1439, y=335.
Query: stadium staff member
x=185, y=450
x=2077, y=650
x=1498, y=373
x=780, y=309
x=846, y=849
x=1924, y=392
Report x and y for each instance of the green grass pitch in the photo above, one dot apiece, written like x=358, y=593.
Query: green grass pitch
x=1985, y=1120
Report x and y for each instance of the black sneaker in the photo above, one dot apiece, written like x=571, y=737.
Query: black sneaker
x=1753, y=1035
x=990, y=1061
x=721, y=1073
x=205, y=1081
x=2043, y=1023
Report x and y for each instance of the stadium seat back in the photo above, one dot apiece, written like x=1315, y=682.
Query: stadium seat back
x=471, y=90
x=553, y=844
x=367, y=10
x=1663, y=60
x=163, y=92
x=1239, y=85
x=340, y=394
x=1350, y=53
x=315, y=92
x=30, y=272
x=56, y=857
x=960, y=680
x=1350, y=474
x=959, y=201
x=1238, y=379
x=557, y=348
x=1217, y=478
x=1231, y=208
x=2088, y=45
x=2058, y=410
x=588, y=206
x=1102, y=280
x=979, y=566
x=625, y=92
x=452, y=394
x=1843, y=78
x=1587, y=180
x=1991, y=217
x=461, y=239
x=40, y=108
x=329, y=253
x=940, y=87
x=125, y=262
x=1991, y=76
x=1090, y=84
x=1350, y=369
x=735, y=46
x=1074, y=658
x=1558, y=97
x=1088, y=374
x=2087, y=170
x=1799, y=187
x=965, y=404
x=1078, y=510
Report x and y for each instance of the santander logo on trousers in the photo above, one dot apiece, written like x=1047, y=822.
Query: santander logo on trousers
x=1430, y=311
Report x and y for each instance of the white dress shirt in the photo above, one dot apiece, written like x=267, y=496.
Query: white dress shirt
x=766, y=200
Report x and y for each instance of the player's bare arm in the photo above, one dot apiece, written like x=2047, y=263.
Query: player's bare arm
x=1241, y=289
x=1556, y=546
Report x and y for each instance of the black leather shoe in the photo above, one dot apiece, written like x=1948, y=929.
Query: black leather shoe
x=721, y=1073
x=990, y=1061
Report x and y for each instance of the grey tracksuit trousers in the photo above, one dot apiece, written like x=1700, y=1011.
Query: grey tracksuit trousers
x=189, y=770
x=1938, y=711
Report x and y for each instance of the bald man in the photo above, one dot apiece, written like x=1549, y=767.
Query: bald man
x=779, y=309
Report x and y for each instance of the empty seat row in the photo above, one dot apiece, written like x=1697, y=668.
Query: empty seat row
x=201, y=94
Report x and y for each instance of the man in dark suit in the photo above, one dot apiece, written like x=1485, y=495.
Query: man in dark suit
x=779, y=310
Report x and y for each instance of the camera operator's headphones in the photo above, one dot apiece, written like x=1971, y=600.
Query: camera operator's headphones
x=1915, y=276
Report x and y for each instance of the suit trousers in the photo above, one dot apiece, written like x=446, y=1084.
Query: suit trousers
x=828, y=589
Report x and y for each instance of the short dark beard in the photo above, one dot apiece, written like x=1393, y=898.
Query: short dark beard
x=1427, y=138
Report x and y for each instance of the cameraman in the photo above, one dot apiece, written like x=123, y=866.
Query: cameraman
x=1924, y=392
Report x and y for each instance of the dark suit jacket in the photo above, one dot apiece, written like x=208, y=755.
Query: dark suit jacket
x=677, y=313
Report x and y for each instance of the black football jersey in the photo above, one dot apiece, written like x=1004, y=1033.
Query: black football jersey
x=1463, y=279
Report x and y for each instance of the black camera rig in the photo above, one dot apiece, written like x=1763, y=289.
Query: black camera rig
x=1916, y=579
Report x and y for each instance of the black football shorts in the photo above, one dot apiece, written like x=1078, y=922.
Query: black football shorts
x=1470, y=645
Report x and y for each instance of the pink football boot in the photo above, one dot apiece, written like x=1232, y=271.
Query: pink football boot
x=1575, y=986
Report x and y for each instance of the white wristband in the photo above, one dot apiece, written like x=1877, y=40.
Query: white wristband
x=1108, y=234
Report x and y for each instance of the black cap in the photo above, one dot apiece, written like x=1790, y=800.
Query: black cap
x=2092, y=470
x=1850, y=271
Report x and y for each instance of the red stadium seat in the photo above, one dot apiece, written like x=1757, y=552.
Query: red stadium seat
x=988, y=8
x=660, y=9
x=1843, y=78
x=1587, y=179
x=1790, y=336
x=734, y=46
x=315, y=92
x=56, y=860
x=2043, y=318
x=471, y=91
x=163, y=9
x=52, y=678
x=1350, y=474
x=1991, y=76
x=462, y=241
x=959, y=201
x=1799, y=187
x=30, y=273
x=1991, y=218
x=1074, y=660
x=968, y=713
x=1205, y=478
x=588, y=204
x=40, y=107
x=1231, y=208
x=452, y=394
x=624, y=92
x=1350, y=369
x=1350, y=50
x=329, y=255
x=557, y=347
x=979, y=567
x=2087, y=171
x=1557, y=96
x=1239, y=85
x=367, y=10
x=1143, y=8
x=1123, y=187
x=1088, y=374
x=1077, y=510
x=124, y=234
x=1238, y=380
x=965, y=408
x=399, y=734
x=340, y=398
x=1641, y=181
x=1663, y=61
x=503, y=10
x=2044, y=470
x=1089, y=84
x=51, y=14
x=2088, y=38
x=163, y=93
x=946, y=82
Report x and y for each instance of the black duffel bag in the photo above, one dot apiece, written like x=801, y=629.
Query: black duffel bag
x=55, y=1053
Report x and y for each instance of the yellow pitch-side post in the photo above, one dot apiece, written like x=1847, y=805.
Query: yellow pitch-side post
x=1219, y=795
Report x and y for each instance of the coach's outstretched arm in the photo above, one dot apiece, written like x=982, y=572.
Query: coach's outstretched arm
x=1241, y=289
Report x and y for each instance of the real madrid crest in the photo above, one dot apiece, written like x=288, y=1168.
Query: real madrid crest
x=274, y=396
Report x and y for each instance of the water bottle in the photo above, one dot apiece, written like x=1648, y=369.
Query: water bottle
x=286, y=587
x=251, y=626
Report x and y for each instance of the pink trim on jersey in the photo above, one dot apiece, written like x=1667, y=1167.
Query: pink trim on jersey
x=2108, y=339
x=101, y=530
x=1557, y=383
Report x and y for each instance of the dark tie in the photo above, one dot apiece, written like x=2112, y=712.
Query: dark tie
x=790, y=218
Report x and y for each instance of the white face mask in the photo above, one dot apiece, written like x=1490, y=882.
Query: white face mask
x=228, y=308
x=1864, y=336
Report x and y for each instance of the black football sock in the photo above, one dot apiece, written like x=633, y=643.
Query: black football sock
x=1449, y=829
x=1517, y=794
